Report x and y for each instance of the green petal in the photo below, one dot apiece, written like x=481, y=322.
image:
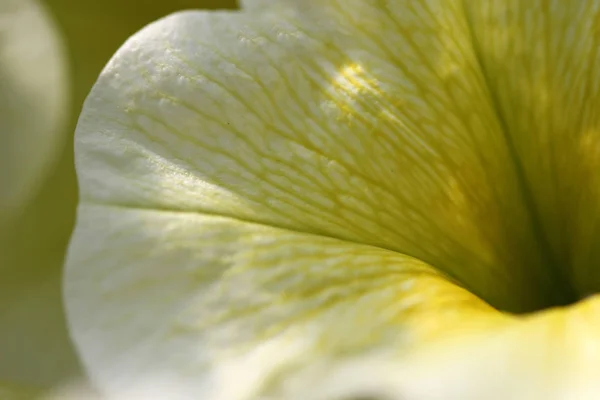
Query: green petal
x=542, y=65
x=33, y=101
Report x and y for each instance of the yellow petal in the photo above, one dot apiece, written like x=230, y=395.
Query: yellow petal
x=320, y=128
x=554, y=355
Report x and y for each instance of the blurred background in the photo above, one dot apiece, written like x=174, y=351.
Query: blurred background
x=34, y=348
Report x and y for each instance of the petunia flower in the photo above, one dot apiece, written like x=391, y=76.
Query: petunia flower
x=51, y=52
x=344, y=199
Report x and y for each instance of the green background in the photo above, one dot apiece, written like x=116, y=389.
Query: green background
x=34, y=346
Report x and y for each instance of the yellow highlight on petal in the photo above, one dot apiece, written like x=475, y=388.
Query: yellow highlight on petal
x=355, y=94
x=352, y=80
x=590, y=148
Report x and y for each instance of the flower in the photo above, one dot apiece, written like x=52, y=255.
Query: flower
x=34, y=100
x=336, y=199
x=33, y=81
x=51, y=53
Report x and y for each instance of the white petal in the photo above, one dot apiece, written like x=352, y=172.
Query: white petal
x=266, y=6
x=225, y=309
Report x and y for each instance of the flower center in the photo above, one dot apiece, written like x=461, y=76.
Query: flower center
x=565, y=295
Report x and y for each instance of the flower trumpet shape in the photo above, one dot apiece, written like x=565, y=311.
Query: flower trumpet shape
x=344, y=198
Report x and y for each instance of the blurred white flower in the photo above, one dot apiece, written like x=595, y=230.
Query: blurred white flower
x=34, y=96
